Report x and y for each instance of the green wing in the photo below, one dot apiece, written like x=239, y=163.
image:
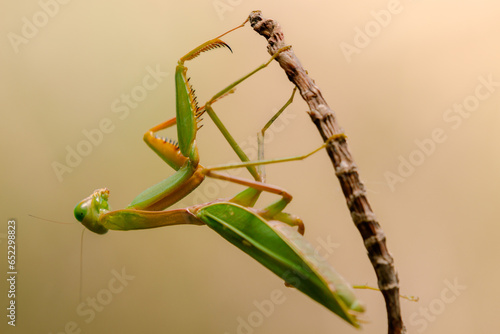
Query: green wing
x=286, y=253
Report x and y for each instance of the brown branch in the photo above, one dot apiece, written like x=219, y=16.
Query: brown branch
x=345, y=168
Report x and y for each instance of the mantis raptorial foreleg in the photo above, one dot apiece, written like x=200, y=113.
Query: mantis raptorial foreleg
x=264, y=234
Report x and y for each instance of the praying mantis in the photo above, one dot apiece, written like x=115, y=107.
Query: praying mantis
x=269, y=235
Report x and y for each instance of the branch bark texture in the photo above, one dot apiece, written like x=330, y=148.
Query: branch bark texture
x=345, y=168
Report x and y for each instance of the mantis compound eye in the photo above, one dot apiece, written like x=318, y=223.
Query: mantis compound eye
x=80, y=212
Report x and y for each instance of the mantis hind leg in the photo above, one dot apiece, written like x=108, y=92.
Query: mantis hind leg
x=291, y=220
x=229, y=138
x=262, y=132
x=276, y=208
x=249, y=196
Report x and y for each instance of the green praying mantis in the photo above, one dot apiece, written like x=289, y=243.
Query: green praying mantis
x=269, y=235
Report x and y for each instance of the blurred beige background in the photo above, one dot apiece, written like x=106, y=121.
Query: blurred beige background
x=395, y=72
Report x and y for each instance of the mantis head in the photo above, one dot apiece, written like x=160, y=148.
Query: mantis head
x=89, y=210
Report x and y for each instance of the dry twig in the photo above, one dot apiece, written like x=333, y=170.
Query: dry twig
x=345, y=168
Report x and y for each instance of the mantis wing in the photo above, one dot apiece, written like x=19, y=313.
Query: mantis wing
x=285, y=252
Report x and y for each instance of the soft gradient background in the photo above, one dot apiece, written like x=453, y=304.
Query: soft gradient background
x=441, y=222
